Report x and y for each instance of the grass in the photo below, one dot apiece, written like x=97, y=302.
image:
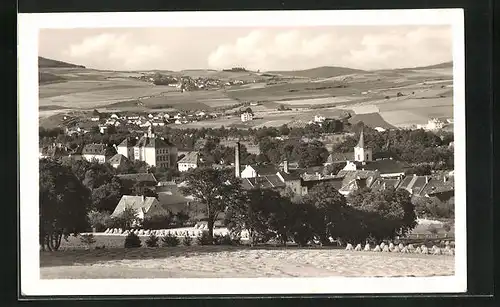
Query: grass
x=228, y=261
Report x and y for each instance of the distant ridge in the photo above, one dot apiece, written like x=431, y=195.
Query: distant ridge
x=319, y=72
x=435, y=66
x=46, y=63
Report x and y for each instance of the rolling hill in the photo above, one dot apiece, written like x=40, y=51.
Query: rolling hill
x=319, y=72
x=49, y=63
x=435, y=66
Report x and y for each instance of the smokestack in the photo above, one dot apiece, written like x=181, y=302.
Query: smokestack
x=285, y=166
x=426, y=179
x=237, y=173
x=444, y=178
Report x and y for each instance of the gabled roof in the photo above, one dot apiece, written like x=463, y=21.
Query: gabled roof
x=135, y=202
x=414, y=184
x=291, y=175
x=438, y=185
x=94, y=149
x=384, y=166
x=263, y=182
x=264, y=169
x=118, y=159
x=340, y=157
x=129, y=142
x=190, y=157
x=362, y=174
x=381, y=184
x=55, y=151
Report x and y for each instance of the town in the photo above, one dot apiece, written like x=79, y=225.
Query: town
x=146, y=167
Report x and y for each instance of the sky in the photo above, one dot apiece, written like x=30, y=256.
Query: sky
x=265, y=49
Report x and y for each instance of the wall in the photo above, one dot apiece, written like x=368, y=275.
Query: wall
x=248, y=172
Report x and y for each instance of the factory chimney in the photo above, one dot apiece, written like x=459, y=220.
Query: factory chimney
x=237, y=172
x=285, y=166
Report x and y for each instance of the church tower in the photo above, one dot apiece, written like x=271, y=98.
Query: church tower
x=362, y=154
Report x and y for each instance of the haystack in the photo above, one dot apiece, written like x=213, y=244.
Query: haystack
x=437, y=251
x=377, y=249
x=425, y=250
x=411, y=248
x=358, y=248
x=405, y=250
x=367, y=247
x=401, y=246
x=386, y=249
x=396, y=249
x=382, y=245
x=391, y=246
x=107, y=230
x=349, y=247
x=418, y=250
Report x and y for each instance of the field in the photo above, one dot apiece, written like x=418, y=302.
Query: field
x=227, y=261
x=402, y=97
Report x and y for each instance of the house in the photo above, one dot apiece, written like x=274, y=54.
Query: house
x=319, y=119
x=442, y=188
x=118, y=160
x=172, y=200
x=263, y=182
x=189, y=161
x=96, y=152
x=387, y=167
x=246, y=116
x=154, y=150
x=139, y=179
x=54, y=151
x=355, y=180
x=257, y=170
x=144, y=206
x=95, y=118
x=433, y=124
x=158, y=123
x=114, y=116
x=339, y=157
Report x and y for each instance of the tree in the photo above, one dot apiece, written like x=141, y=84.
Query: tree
x=385, y=214
x=333, y=168
x=216, y=189
x=126, y=220
x=64, y=203
x=107, y=196
x=88, y=239
x=99, y=221
x=253, y=213
x=329, y=216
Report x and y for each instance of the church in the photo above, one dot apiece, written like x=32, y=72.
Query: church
x=362, y=159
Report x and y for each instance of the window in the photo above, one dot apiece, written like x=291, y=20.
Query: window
x=359, y=157
x=367, y=157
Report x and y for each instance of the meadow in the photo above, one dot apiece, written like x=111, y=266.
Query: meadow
x=402, y=97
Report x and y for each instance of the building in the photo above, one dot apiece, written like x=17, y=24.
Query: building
x=361, y=153
x=246, y=116
x=319, y=119
x=96, y=152
x=145, y=180
x=258, y=170
x=118, y=160
x=433, y=124
x=154, y=150
x=189, y=161
x=144, y=206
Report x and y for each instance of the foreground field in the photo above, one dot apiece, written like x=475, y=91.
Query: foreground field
x=243, y=262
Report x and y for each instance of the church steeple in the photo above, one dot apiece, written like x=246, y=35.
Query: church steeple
x=362, y=154
x=361, y=142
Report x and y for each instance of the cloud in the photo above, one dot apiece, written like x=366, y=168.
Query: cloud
x=115, y=50
x=301, y=49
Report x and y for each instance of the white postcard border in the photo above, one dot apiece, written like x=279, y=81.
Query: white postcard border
x=31, y=284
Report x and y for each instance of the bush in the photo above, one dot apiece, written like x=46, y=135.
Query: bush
x=447, y=227
x=170, y=240
x=224, y=240
x=87, y=239
x=157, y=222
x=205, y=239
x=152, y=241
x=132, y=241
x=99, y=221
x=187, y=240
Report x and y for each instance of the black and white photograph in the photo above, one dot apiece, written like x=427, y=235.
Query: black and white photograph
x=242, y=152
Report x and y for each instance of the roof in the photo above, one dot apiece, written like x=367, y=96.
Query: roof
x=291, y=175
x=380, y=184
x=385, y=166
x=118, y=159
x=361, y=142
x=155, y=142
x=414, y=184
x=129, y=142
x=263, y=182
x=362, y=174
x=264, y=169
x=190, y=157
x=55, y=151
x=139, y=177
x=94, y=149
x=438, y=185
x=135, y=202
x=340, y=157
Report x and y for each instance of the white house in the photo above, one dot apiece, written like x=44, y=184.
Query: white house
x=247, y=116
x=319, y=119
x=117, y=160
x=153, y=150
x=95, y=152
x=94, y=118
x=144, y=206
x=114, y=116
x=190, y=160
